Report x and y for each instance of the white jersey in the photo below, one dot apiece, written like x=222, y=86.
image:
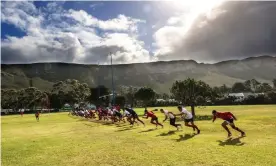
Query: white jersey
x=110, y=111
x=188, y=115
x=126, y=113
x=168, y=115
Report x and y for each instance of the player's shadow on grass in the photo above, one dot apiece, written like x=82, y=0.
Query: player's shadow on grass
x=90, y=125
x=108, y=123
x=185, y=137
x=125, y=129
x=149, y=130
x=166, y=134
x=122, y=125
x=232, y=141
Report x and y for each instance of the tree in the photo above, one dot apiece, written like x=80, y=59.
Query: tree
x=9, y=98
x=274, y=83
x=165, y=96
x=251, y=85
x=224, y=89
x=272, y=97
x=97, y=92
x=264, y=87
x=216, y=93
x=71, y=91
x=55, y=101
x=239, y=87
x=120, y=100
x=191, y=92
x=29, y=97
x=145, y=94
x=254, y=84
x=129, y=93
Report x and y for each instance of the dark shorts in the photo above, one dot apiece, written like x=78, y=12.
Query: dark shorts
x=154, y=118
x=134, y=115
x=172, y=121
x=189, y=120
x=118, y=114
x=229, y=120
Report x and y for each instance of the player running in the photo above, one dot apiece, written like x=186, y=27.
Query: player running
x=172, y=118
x=228, y=118
x=21, y=112
x=188, y=118
x=134, y=116
x=127, y=115
x=118, y=114
x=154, y=119
x=37, y=116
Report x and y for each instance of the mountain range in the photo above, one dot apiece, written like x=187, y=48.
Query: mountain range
x=157, y=75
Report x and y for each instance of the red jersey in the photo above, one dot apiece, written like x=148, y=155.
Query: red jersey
x=223, y=115
x=151, y=114
x=118, y=108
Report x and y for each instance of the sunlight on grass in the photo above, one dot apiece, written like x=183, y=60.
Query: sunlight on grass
x=59, y=139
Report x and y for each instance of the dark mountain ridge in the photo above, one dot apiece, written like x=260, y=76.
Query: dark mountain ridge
x=158, y=75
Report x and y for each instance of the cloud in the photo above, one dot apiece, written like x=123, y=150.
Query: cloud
x=121, y=23
x=232, y=30
x=58, y=35
x=123, y=47
x=235, y=30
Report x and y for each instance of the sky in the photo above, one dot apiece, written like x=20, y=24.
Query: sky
x=88, y=32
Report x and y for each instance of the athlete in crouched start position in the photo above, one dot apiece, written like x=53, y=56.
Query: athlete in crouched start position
x=188, y=118
x=228, y=118
x=134, y=116
x=154, y=119
x=172, y=118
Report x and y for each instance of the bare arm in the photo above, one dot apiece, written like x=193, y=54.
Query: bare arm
x=233, y=116
x=214, y=118
x=179, y=114
x=166, y=117
x=146, y=116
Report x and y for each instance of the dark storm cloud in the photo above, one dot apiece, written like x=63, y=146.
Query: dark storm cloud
x=101, y=53
x=245, y=29
x=42, y=53
x=9, y=55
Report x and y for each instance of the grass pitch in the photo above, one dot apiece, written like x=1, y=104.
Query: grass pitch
x=59, y=139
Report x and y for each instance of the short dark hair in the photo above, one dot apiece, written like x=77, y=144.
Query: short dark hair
x=214, y=111
x=179, y=107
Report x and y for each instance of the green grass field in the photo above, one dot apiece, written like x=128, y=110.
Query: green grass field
x=59, y=139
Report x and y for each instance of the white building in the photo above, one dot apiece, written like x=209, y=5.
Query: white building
x=238, y=96
x=242, y=96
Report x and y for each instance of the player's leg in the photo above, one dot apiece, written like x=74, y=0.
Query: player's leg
x=172, y=122
x=136, y=117
x=195, y=127
x=236, y=128
x=187, y=123
x=128, y=117
x=224, y=125
x=131, y=119
x=152, y=121
x=159, y=123
x=121, y=118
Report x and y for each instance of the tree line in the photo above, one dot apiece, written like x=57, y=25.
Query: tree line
x=189, y=92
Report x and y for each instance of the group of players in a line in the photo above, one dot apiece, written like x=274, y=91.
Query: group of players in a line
x=115, y=115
